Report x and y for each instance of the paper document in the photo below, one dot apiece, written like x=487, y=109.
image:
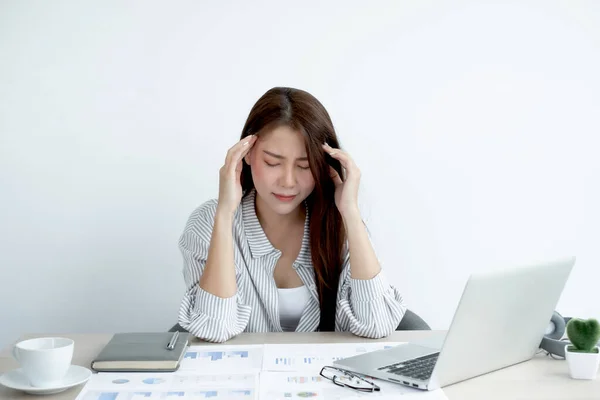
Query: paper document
x=295, y=357
x=299, y=385
x=248, y=372
x=148, y=386
x=222, y=359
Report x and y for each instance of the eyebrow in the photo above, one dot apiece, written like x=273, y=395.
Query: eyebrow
x=279, y=156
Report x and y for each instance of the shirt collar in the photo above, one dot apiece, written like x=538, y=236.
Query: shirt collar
x=257, y=239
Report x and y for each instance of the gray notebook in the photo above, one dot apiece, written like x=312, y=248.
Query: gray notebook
x=143, y=352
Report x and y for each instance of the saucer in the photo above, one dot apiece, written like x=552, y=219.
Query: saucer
x=16, y=379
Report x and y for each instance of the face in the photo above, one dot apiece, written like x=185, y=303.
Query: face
x=280, y=169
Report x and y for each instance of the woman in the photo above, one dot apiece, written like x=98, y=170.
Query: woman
x=284, y=248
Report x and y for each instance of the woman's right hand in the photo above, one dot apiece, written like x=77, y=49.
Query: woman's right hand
x=230, y=188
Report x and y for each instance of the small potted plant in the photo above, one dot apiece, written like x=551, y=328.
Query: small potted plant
x=583, y=354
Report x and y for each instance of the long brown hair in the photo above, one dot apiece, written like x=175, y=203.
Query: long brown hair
x=302, y=112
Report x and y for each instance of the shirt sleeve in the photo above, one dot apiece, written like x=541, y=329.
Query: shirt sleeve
x=368, y=307
x=204, y=315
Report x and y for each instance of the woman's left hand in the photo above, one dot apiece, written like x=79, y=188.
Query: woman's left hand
x=346, y=192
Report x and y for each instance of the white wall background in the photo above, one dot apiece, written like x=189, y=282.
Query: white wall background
x=475, y=125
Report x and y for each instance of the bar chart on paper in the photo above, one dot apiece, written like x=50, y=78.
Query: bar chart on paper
x=218, y=394
x=138, y=386
x=299, y=361
x=296, y=385
x=222, y=359
x=278, y=357
x=294, y=379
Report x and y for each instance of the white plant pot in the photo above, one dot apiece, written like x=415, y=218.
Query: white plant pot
x=582, y=365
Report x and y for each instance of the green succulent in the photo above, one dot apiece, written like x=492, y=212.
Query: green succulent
x=583, y=334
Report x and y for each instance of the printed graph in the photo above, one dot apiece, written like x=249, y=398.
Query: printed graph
x=304, y=361
x=222, y=360
x=108, y=396
x=215, y=355
x=215, y=394
x=240, y=393
x=304, y=379
x=221, y=394
x=205, y=394
x=153, y=381
x=306, y=394
x=124, y=395
x=101, y=396
x=220, y=379
x=309, y=357
x=141, y=395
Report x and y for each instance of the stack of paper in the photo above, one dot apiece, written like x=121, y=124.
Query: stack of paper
x=130, y=386
x=216, y=372
x=269, y=372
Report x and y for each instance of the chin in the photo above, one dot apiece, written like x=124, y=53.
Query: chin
x=284, y=208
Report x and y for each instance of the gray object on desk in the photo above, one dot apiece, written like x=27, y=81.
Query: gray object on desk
x=141, y=352
x=410, y=322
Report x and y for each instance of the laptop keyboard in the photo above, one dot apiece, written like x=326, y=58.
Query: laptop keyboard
x=418, y=368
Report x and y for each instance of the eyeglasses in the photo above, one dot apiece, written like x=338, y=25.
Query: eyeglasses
x=347, y=379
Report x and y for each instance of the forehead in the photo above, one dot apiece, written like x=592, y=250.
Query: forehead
x=284, y=140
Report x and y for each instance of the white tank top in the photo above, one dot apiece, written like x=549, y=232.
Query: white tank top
x=292, y=302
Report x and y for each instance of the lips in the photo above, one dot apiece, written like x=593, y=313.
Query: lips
x=284, y=197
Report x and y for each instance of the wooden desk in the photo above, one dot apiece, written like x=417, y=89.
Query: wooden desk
x=540, y=378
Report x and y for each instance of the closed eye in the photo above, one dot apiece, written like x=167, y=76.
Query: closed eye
x=274, y=165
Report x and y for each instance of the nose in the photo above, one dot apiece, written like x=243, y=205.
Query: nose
x=289, y=177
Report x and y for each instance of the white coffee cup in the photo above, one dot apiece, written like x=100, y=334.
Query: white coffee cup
x=45, y=361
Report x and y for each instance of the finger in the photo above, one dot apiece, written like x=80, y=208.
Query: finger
x=245, y=143
x=236, y=157
x=241, y=144
x=337, y=180
x=340, y=155
x=238, y=170
x=246, y=148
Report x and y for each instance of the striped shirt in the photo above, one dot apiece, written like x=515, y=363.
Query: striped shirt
x=368, y=308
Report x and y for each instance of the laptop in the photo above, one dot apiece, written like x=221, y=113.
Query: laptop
x=500, y=321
